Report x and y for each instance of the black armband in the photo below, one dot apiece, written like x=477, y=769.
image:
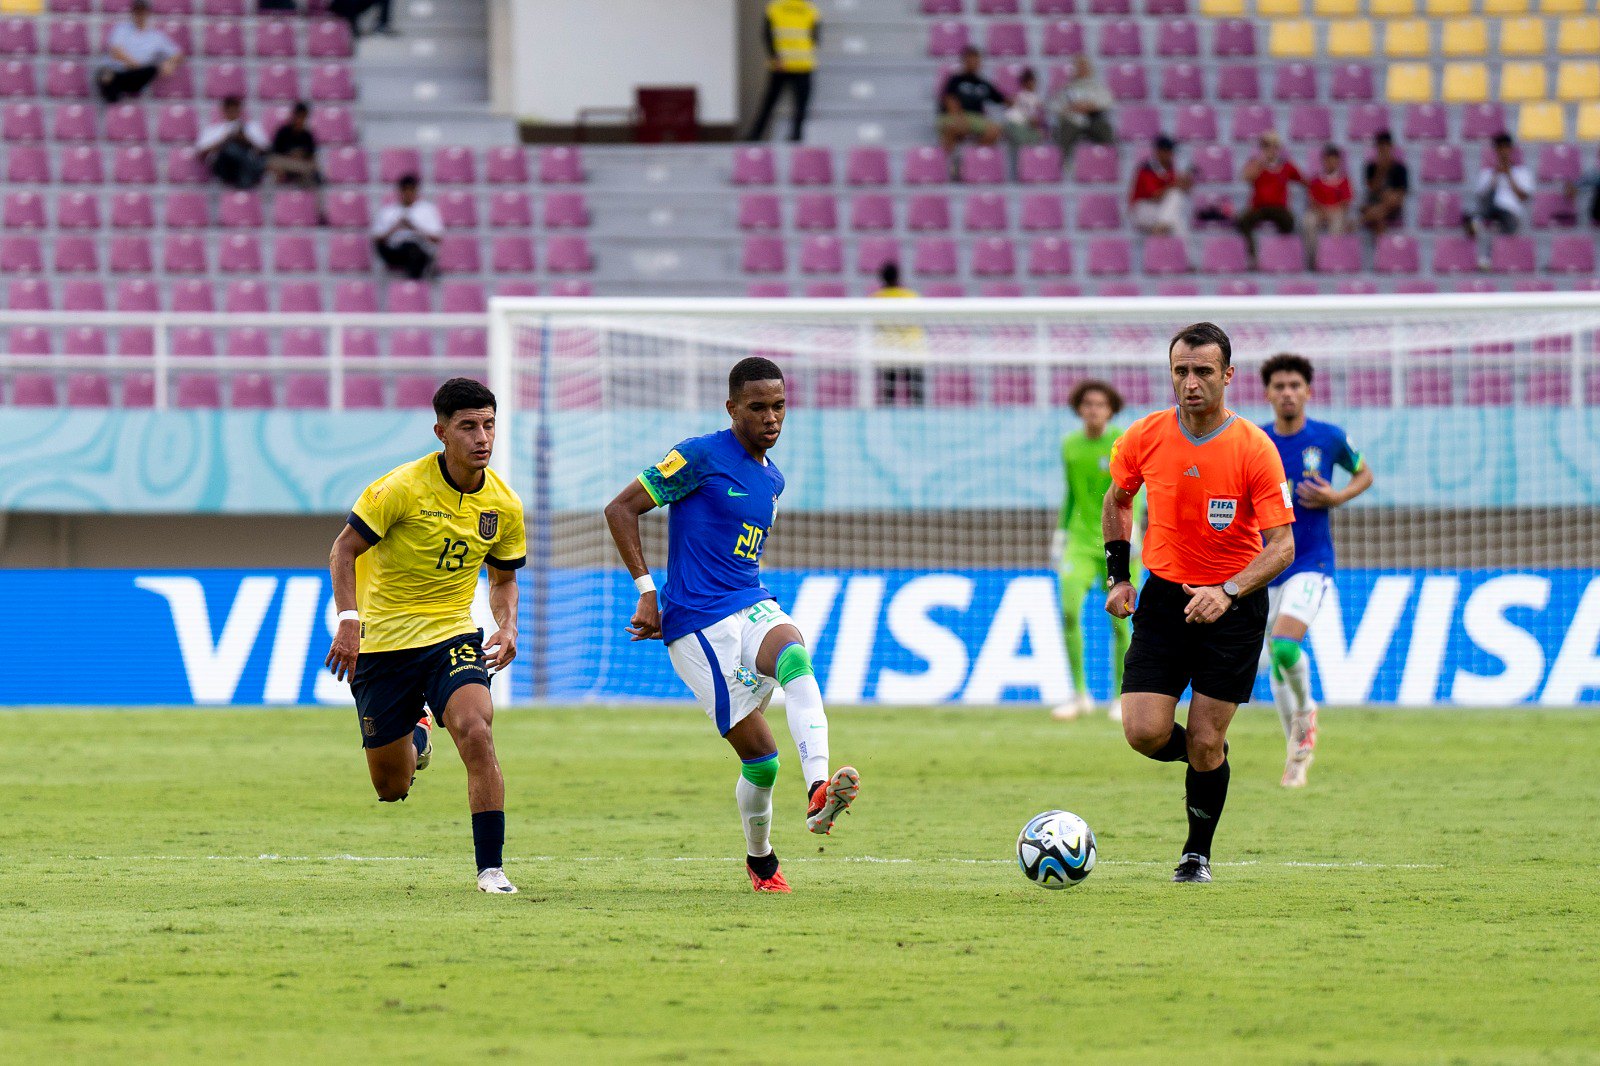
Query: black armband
x=1117, y=565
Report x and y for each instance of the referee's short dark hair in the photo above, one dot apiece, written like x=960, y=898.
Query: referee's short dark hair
x=1201, y=334
x=1285, y=362
x=752, y=368
x=461, y=394
x=1082, y=389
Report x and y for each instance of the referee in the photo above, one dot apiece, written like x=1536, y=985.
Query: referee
x=1220, y=512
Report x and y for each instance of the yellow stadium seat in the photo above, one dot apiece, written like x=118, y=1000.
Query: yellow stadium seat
x=1222, y=9
x=1563, y=7
x=1521, y=82
x=1280, y=8
x=21, y=7
x=1465, y=83
x=1578, y=37
x=1410, y=83
x=1350, y=38
x=1391, y=8
x=1578, y=81
x=1505, y=7
x=1464, y=37
x=1437, y=8
x=1293, y=39
x=1589, y=120
x=1522, y=37
x=1542, y=122
x=1406, y=37
x=1334, y=9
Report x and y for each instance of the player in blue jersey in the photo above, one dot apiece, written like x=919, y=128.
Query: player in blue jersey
x=729, y=640
x=1310, y=451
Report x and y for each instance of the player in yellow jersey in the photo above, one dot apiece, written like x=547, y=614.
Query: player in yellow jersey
x=405, y=571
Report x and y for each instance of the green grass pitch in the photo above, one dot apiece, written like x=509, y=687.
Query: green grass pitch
x=183, y=885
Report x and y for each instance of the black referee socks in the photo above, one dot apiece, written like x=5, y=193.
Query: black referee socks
x=489, y=839
x=1205, y=791
x=1176, y=749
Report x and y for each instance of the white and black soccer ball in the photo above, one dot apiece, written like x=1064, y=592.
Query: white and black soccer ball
x=1056, y=849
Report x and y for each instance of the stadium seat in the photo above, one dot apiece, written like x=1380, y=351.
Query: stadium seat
x=513, y=209
x=873, y=252
x=346, y=209
x=1042, y=212
x=21, y=255
x=1454, y=254
x=82, y=165
x=1250, y=121
x=1194, y=122
x=294, y=208
x=1292, y=40
x=356, y=297
x=1165, y=255
x=75, y=254
x=1005, y=39
x=1280, y=254
x=365, y=391
x=560, y=165
x=1426, y=122
x=1407, y=39
x=329, y=39
x=1110, y=256
x=947, y=39
x=458, y=209
x=299, y=298
x=506, y=165
x=1438, y=209
x=1578, y=36
x=760, y=211
x=1482, y=121
x=1062, y=38
x=193, y=295
x=1339, y=254
x=1506, y=7
x=512, y=253
x=83, y=294
x=1039, y=164
x=458, y=253
x=1571, y=254
x=463, y=297
x=925, y=165
x=810, y=165
x=1094, y=164
x=68, y=37
x=240, y=209
x=1350, y=38
x=1280, y=8
x=826, y=290
x=1441, y=164
x=986, y=213
x=1137, y=122
x=332, y=81
x=1578, y=81
x=1127, y=82
x=1410, y=83
x=1224, y=253
x=819, y=254
x=453, y=165
x=1559, y=164
x=1233, y=38
x=1364, y=120
x=28, y=294
x=25, y=210
x=934, y=257
x=248, y=342
x=815, y=211
x=349, y=253
x=239, y=253
x=995, y=257
x=395, y=163
x=1238, y=83
x=132, y=164
x=125, y=123
x=22, y=123
x=1098, y=211
x=1521, y=82
x=1310, y=122
x=754, y=166
x=294, y=253
x=867, y=165
x=1179, y=39
x=875, y=211
x=981, y=165
x=1182, y=81
x=1542, y=122
x=1512, y=255
x=222, y=39
x=1213, y=163
x=409, y=298
x=1119, y=38
x=184, y=168
x=250, y=392
x=28, y=164
x=1352, y=81
x=131, y=254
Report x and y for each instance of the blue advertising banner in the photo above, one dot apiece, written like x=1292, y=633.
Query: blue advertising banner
x=977, y=637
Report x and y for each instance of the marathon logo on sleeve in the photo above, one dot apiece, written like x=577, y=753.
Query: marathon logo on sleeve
x=673, y=463
x=1220, y=512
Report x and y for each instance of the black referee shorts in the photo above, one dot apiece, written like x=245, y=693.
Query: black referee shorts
x=1216, y=659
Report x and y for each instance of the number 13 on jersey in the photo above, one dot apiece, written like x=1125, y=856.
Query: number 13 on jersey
x=749, y=546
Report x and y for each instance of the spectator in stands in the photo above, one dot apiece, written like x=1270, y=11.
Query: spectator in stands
x=1025, y=123
x=962, y=102
x=406, y=233
x=793, y=30
x=294, y=150
x=902, y=385
x=234, y=149
x=1269, y=174
x=352, y=10
x=1387, y=184
x=1082, y=109
x=1159, y=203
x=136, y=54
x=1500, y=196
x=1328, y=197
x=1589, y=183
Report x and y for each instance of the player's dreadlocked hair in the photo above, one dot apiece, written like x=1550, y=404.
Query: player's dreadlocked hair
x=1104, y=388
x=1201, y=334
x=1286, y=362
x=461, y=394
x=754, y=368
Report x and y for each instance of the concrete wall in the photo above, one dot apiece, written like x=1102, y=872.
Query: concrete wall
x=549, y=58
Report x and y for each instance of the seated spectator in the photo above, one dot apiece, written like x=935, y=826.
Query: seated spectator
x=1329, y=198
x=1387, y=184
x=294, y=150
x=962, y=102
x=1082, y=109
x=136, y=54
x=352, y=10
x=1025, y=117
x=899, y=385
x=1269, y=174
x=1159, y=203
x=406, y=233
x=1500, y=196
x=1590, y=184
x=235, y=149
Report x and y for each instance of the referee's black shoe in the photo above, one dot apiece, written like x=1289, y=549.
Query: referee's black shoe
x=1193, y=869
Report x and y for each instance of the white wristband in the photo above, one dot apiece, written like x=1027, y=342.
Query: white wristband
x=349, y=616
x=644, y=583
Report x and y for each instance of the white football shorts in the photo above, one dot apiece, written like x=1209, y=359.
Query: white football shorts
x=1299, y=598
x=718, y=663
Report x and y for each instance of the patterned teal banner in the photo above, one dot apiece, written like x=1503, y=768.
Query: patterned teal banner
x=298, y=462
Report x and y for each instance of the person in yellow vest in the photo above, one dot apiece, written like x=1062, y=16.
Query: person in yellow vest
x=793, y=32
x=899, y=385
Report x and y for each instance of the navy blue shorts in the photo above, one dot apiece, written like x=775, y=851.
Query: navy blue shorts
x=391, y=686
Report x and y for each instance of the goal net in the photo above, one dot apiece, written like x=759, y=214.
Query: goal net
x=922, y=452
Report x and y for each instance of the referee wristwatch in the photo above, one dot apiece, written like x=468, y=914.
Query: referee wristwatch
x=1230, y=589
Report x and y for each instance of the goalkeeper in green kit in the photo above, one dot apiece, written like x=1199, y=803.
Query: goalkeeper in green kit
x=1077, y=548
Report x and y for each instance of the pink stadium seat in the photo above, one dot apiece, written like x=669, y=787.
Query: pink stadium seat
x=819, y=254
x=355, y=297
x=1042, y=212
x=124, y=123
x=875, y=211
x=1094, y=164
x=466, y=342
x=1454, y=254
x=517, y=287
x=1533, y=285
x=947, y=39
x=454, y=165
x=68, y=37
x=1133, y=384
x=1438, y=209
x=224, y=8
x=1430, y=386
x=1427, y=122
x=396, y=163
x=1279, y=254
x=349, y=253
x=1165, y=255
x=303, y=342
x=1099, y=211
x=1477, y=285
x=1549, y=386
x=1214, y=163
x=1062, y=38
x=1240, y=83
x=1552, y=207
x=1055, y=7
x=765, y=290
x=1137, y=122
x=560, y=165
x=329, y=39
x=1339, y=254
x=573, y=287
x=1370, y=387
x=132, y=209
x=458, y=208
x=75, y=122
x=28, y=164
x=1005, y=39
x=934, y=257
x=33, y=389
x=88, y=390
x=30, y=340
x=198, y=392
x=1250, y=121
x=815, y=211
x=941, y=7
x=185, y=253
x=1294, y=81
x=239, y=253
x=1480, y=121
x=1571, y=254
x=1049, y=257
x=1110, y=7
x=513, y=254
x=194, y=342
x=415, y=392
x=1224, y=253
x=332, y=81
x=411, y=343
x=981, y=165
x=1363, y=120
x=294, y=253
x=82, y=165
x=1001, y=290
x=463, y=297
x=193, y=294
x=952, y=388
x=1491, y=388
x=810, y=165
x=925, y=165
x=1182, y=81
x=506, y=165
x=347, y=209
x=513, y=209
x=222, y=40
x=24, y=210
x=333, y=124
x=21, y=255
x=250, y=392
x=1196, y=122
x=1441, y=164
x=16, y=79
x=240, y=209
x=23, y=123
x=131, y=164
x=131, y=254
x=187, y=210
x=1559, y=163
x=28, y=294
x=294, y=208
x=999, y=7
x=185, y=168
x=76, y=254
x=69, y=79
x=873, y=252
x=1127, y=82
x=1512, y=255
x=365, y=391
x=1351, y=81
x=867, y=165
x=1039, y=164
x=299, y=297
x=1179, y=38
x=1310, y=122
x=248, y=342
x=562, y=210
x=986, y=213
x=409, y=298
x=754, y=165
x=225, y=79
x=458, y=254
x=83, y=294
x=1179, y=288
x=274, y=39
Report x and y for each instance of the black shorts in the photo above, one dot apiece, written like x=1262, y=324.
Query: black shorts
x=1168, y=654
x=390, y=686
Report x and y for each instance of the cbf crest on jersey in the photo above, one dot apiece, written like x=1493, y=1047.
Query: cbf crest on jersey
x=1311, y=460
x=488, y=524
x=1220, y=513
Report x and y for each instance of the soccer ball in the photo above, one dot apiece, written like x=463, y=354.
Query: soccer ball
x=1056, y=849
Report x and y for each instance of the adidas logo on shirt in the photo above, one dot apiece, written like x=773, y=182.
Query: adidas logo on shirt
x=1193, y=471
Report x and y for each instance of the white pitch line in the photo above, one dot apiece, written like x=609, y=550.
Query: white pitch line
x=723, y=859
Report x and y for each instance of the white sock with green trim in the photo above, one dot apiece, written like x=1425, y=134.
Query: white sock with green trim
x=755, y=810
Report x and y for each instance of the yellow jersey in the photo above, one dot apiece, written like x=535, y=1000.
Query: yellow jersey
x=430, y=540
x=793, y=24
x=910, y=337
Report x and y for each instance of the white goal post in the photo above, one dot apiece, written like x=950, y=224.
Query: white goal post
x=922, y=456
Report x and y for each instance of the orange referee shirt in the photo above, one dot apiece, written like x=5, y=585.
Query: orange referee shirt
x=1208, y=498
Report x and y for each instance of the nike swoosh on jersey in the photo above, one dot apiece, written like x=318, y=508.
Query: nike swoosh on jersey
x=731, y=492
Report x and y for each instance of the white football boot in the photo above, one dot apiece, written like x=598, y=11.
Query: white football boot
x=494, y=880
x=1078, y=706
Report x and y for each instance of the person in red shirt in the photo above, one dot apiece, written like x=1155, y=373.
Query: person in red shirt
x=1159, y=203
x=1269, y=173
x=1330, y=196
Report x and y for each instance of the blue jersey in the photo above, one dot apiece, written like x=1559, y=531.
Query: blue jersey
x=1314, y=451
x=723, y=502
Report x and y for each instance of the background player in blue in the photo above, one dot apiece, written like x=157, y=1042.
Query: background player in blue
x=1310, y=451
x=729, y=640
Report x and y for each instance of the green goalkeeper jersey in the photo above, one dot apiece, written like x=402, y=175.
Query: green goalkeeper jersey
x=1087, y=465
